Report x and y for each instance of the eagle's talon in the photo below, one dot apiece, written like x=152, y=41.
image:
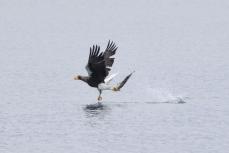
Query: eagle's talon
x=100, y=98
x=115, y=89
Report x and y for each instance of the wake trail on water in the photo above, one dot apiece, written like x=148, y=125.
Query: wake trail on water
x=159, y=95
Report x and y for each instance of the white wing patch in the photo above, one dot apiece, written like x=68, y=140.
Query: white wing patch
x=110, y=78
x=88, y=70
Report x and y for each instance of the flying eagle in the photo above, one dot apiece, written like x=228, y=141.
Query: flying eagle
x=98, y=68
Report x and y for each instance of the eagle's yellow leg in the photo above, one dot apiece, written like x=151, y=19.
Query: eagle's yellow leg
x=100, y=98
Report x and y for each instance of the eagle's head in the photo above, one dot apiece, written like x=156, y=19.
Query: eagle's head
x=78, y=77
x=82, y=78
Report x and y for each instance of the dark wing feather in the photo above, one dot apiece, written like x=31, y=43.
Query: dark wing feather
x=110, y=51
x=124, y=81
x=99, y=63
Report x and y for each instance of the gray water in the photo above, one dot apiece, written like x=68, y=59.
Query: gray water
x=176, y=102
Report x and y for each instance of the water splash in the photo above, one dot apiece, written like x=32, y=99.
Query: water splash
x=160, y=95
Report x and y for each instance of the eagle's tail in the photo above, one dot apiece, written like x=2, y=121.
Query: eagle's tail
x=121, y=84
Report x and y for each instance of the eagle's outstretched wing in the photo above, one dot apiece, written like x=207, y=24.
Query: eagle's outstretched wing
x=99, y=63
x=121, y=84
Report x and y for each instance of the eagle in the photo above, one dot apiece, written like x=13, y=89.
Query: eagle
x=98, y=68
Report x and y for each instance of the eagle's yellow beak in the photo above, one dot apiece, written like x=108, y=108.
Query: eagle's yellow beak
x=76, y=78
